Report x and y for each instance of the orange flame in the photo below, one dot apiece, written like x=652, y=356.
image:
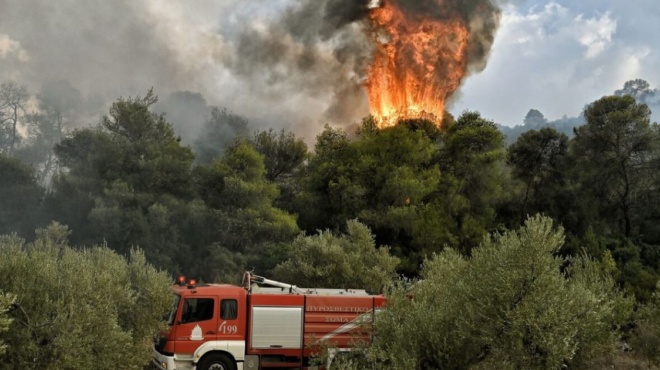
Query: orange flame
x=419, y=62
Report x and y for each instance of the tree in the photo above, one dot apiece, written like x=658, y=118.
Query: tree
x=6, y=302
x=129, y=182
x=538, y=160
x=59, y=104
x=386, y=178
x=338, y=261
x=13, y=103
x=472, y=162
x=615, y=152
x=396, y=168
x=85, y=156
x=284, y=157
x=283, y=153
x=46, y=129
x=125, y=182
x=535, y=119
x=93, y=298
x=218, y=133
x=508, y=306
x=645, y=340
x=242, y=216
x=418, y=187
x=639, y=89
x=187, y=111
x=20, y=197
x=153, y=158
x=330, y=193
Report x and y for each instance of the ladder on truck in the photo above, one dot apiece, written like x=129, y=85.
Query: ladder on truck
x=253, y=284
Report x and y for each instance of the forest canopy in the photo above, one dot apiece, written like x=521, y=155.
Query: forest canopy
x=366, y=208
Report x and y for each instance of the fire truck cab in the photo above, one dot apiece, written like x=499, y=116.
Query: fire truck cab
x=227, y=327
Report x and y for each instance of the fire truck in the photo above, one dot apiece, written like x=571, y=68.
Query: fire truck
x=262, y=324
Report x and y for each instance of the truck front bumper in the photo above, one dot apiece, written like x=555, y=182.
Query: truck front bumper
x=163, y=362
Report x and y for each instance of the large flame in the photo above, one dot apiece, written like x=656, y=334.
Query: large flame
x=419, y=62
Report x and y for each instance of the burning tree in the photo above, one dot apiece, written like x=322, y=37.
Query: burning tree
x=409, y=55
x=423, y=51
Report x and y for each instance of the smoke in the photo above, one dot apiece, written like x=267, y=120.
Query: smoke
x=293, y=64
x=315, y=49
x=323, y=48
x=106, y=49
x=187, y=111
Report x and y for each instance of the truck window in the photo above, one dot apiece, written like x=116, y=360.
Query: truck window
x=170, y=320
x=228, y=309
x=197, y=309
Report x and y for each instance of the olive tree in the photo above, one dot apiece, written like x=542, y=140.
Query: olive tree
x=6, y=302
x=512, y=305
x=79, y=309
x=647, y=334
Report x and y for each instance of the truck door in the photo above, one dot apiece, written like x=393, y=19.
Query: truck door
x=232, y=323
x=198, y=323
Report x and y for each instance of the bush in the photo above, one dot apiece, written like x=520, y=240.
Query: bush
x=79, y=309
x=6, y=302
x=510, y=306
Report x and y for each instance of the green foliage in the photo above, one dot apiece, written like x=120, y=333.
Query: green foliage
x=472, y=161
x=127, y=181
x=248, y=197
x=330, y=193
x=151, y=157
x=614, y=152
x=284, y=157
x=78, y=309
x=241, y=211
x=6, y=302
x=538, y=160
x=385, y=178
x=218, y=133
x=622, y=259
x=420, y=188
x=395, y=168
x=20, y=197
x=647, y=333
x=130, y=182
x=283, y=153
x=509, y=306
x=131, y=145
x=338, y=261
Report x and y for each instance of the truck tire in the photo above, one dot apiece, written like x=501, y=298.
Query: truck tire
x=216, y=361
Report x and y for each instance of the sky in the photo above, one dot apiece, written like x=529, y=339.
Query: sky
x=555, y=56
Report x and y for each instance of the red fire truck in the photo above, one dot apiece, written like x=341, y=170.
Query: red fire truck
x=262, y=324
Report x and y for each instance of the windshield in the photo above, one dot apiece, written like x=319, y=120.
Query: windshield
x=177, y=298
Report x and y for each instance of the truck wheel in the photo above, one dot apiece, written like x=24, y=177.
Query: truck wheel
x=216, y=361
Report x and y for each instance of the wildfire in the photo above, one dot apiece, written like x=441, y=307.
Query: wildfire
x=419, y=62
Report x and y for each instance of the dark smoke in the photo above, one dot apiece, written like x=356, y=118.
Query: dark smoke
x=315, y=47
x=318, y=46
